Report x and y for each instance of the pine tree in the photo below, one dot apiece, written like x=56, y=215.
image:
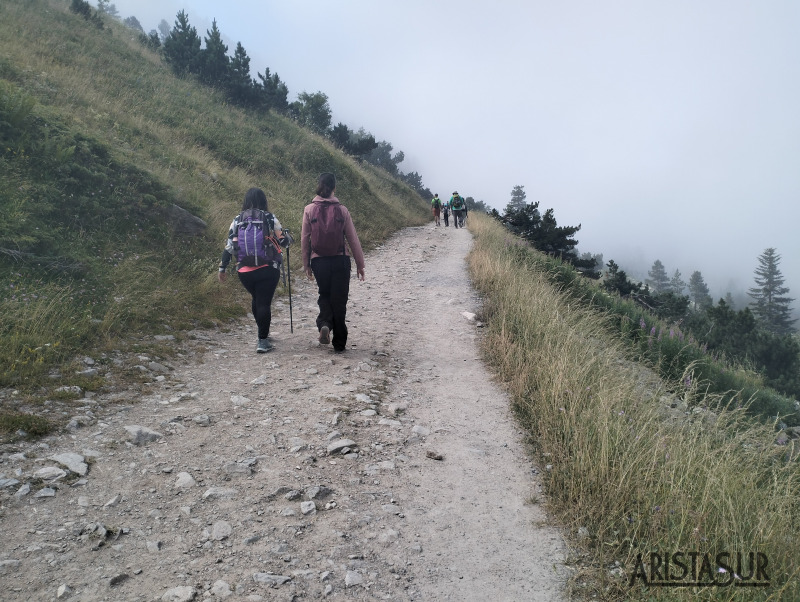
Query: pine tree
x=770, y=303
x=517, y=202
x=698, y=291
x=677, y=283
x=214, y=60
x=658, y=279
x=241, y=86
x=182, y=46
x=272, y=93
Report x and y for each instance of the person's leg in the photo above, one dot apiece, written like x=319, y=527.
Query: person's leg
x=321, y=266
x=340, y=292
x=261, y=285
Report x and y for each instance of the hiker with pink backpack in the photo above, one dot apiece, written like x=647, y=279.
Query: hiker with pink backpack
x=326, y=233
x=256, y=239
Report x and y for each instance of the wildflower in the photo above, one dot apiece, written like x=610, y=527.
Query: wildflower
x=642, y=324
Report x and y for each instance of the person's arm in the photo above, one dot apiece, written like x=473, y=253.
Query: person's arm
x=305, y=244
x=355, y=245
x=277, y=228
x=227, y=253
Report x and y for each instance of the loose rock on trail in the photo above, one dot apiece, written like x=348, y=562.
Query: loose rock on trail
x=393, y=471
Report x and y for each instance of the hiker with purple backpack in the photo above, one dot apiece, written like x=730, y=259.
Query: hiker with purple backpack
x=327, y=226
x=255, y=238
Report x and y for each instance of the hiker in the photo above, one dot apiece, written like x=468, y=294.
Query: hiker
x=458, y=208
x=254, y=238
x=327, y=225
x=436, y=207
x=446, y=214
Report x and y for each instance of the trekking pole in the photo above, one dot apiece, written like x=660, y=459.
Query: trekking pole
x=289, y=278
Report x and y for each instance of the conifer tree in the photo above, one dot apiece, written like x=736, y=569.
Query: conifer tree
x=698, y=291
x=241, y=86
x=658, y=279
x=517, y=202
x=214, y=61
x=677, y=283
x=272, y=93
x=770, y=303
x=182, y=46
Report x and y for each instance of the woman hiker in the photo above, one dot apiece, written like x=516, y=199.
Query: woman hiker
x=258, y=258
x=327, y=225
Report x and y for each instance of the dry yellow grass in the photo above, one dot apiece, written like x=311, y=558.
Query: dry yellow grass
x=626, y=477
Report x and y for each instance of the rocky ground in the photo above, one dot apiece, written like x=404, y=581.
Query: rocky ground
x=394, y=471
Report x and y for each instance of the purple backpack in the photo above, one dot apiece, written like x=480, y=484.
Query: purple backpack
x=256, y=244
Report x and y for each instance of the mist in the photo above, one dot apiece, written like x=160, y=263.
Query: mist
x=667, y=130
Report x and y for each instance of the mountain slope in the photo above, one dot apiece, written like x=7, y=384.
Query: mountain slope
x=99, y=141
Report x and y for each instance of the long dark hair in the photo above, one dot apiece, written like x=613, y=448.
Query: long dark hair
x=255, y=199
x=326, y=183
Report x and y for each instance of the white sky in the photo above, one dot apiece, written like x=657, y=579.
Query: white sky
x=670, y=129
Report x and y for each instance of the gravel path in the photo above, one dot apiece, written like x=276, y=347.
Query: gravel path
x=394, y=471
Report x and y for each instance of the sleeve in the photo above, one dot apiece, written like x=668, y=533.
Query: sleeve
x=228, y=251
x=305, y=239
x=352, y=239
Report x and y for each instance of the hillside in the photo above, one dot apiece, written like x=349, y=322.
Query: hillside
x=100, y=142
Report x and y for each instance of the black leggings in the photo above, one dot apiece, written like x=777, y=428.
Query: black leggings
x=261, y=284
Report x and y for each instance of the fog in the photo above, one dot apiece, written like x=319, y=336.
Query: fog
x=668, y=130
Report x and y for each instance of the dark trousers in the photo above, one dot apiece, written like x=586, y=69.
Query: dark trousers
x=261, y=285
x=446, y=218
x=333, y=279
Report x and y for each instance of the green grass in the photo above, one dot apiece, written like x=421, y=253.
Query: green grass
x=660, y=345
x=31, y=424
x=91, y=159
x=629, y=474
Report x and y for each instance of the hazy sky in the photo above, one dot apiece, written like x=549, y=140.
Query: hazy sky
x=670, y=129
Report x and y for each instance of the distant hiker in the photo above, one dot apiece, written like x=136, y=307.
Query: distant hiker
x=459, y=209
x=446, y=214
x=254, y=239
x=436, y=207
x=327, y=225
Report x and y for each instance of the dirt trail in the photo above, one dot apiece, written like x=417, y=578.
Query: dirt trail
x=243, y=493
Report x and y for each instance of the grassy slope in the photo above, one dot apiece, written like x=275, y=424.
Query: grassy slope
x=98, y=140
x=624, y=475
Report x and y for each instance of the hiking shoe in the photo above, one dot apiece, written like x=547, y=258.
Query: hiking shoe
x=324, y=335
x=264, y=345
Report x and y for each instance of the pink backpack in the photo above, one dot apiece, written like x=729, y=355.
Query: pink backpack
x=327, y=228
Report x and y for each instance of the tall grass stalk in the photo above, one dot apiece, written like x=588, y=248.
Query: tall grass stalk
x=636, y=477
x=37, y=329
